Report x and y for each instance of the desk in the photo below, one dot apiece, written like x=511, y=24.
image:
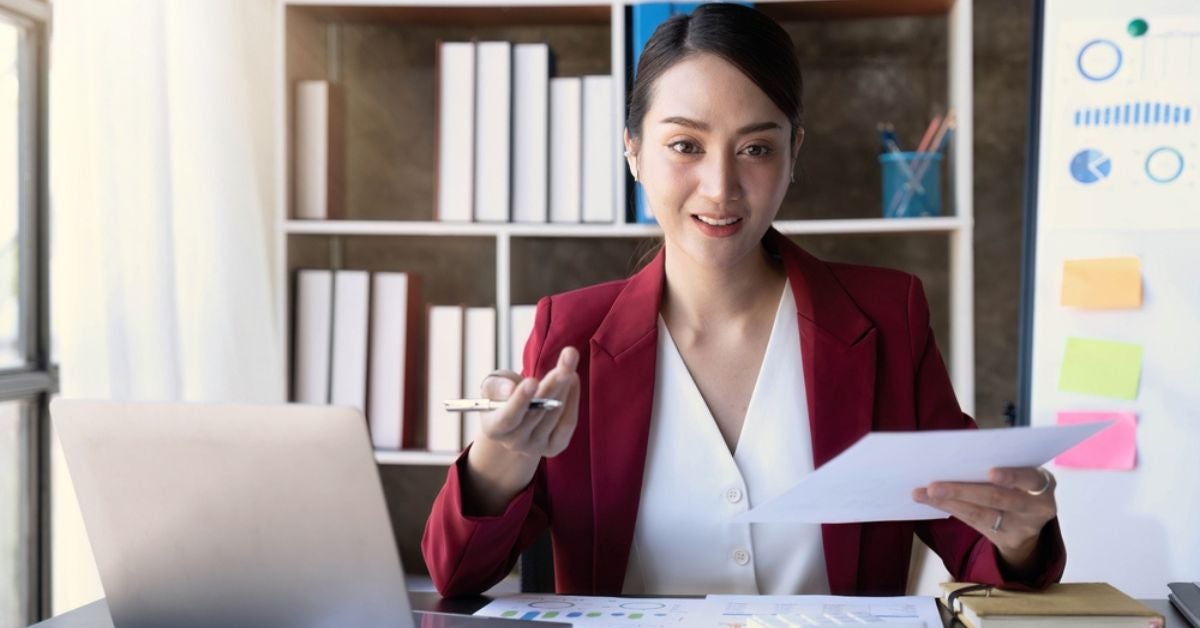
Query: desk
x=95, y=615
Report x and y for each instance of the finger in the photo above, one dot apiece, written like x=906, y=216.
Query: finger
x=974, y=515
x=541, y=435
x=569, y=358
x=561, y=436
x=1023, y=478
x=513, y=415
x=499, y=385
x=988, y=495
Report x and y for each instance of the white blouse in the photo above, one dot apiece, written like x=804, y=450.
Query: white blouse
x=684, y=542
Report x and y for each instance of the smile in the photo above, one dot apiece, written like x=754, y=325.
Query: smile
x=723, y=222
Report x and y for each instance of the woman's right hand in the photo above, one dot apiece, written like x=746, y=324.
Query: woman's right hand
x=535, y=433
x=514, y=439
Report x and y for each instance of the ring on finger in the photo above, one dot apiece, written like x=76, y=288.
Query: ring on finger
x=999, y=520
x=1049, y=480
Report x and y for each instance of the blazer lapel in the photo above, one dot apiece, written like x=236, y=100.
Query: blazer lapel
x=623, y=359
x=838, y=351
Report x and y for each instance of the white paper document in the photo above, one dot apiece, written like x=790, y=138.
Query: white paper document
x=785, y=611
x=718, y=611
x=874, y=479
x=601, y=612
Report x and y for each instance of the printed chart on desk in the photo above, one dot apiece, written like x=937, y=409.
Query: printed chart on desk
x=598, y=612
x=718, y=611
x=1124, y=123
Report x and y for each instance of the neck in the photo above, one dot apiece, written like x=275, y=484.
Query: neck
x=699, y=297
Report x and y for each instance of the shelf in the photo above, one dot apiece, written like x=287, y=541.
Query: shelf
x=948, y=224
x=426, y=458
x=589, y=10
x=462, y=13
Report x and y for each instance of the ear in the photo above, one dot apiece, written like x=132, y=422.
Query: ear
x=631, y=146
x=798, y=140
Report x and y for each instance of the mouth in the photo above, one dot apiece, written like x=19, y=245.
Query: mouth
x=715, y=221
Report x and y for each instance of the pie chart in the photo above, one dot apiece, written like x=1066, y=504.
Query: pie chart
x=1090, y=165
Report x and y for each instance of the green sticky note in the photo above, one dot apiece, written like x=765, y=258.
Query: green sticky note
x=1101, y=367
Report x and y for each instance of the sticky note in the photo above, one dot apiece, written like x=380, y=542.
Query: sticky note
x=1101, y=367
x=1102, y=284
x=1114, y=448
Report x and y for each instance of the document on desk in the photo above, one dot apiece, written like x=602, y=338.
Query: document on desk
x=717, y=611
x=601, y=612
x=772, y=611
x=873, y=479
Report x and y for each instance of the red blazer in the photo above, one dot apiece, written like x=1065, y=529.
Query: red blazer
x=870, y=363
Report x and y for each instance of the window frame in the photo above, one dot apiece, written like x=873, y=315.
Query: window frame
x=36, y=381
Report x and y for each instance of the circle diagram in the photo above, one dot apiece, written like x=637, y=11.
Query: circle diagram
x=1090, y=165
x=1099, y=60
x=550, y=605
x=1164, y=164
x=643, y=606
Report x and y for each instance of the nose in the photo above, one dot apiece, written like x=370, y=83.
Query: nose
x=719, y=182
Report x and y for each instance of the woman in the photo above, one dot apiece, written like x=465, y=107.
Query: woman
x=731, y=327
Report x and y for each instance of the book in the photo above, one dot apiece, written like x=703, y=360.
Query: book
x=531, y=133
x=522, y=320
x=599, y=150
x=479, y=360
x=317, y=173
x=455, y=179
x=314, y=324
x=493, y=130
x=445, y=359
x=395, y=342
x=348, y=358
x=566, y=149
x=1077, y=604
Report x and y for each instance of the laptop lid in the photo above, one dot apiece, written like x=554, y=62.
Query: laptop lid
x=233, y=515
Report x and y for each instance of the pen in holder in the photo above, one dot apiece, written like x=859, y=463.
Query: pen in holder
x=912, y=184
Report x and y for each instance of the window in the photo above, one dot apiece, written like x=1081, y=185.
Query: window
x=26, y=377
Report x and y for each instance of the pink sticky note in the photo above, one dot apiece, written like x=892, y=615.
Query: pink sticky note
x=1114, y=448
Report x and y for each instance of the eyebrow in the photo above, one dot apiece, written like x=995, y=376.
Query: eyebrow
x=700, y=126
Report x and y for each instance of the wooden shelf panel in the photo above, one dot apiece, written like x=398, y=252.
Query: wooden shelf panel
x=947, y=224
x=583, y=12
x=847, y=9
x=415, y=458
x=463, y=13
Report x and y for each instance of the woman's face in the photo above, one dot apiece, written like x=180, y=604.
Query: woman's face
x=714, y=159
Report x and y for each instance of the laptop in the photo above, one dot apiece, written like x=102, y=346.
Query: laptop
x=1185, y=597
x=237, y=515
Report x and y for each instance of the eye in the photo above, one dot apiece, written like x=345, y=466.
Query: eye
x=758, y=150
x=684, y=147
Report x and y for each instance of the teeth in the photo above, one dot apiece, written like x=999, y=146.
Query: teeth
x=718, y=223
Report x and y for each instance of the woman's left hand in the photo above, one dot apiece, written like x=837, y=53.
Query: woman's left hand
x=1010, y=511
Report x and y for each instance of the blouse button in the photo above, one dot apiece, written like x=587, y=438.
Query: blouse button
x=741, y=556
x=734, y=495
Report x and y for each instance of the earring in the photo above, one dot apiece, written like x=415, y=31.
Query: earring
x=793, y=176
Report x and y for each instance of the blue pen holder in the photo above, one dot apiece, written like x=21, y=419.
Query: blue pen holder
x=903, y=196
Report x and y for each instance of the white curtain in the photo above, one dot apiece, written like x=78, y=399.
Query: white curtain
x=164, y=286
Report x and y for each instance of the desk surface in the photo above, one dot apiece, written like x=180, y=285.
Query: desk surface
x=95, y=615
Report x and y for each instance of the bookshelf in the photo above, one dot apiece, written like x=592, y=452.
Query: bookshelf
x=382, y=54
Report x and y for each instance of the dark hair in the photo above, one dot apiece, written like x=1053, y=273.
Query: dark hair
x=746, y=38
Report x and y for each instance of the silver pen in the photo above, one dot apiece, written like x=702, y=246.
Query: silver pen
x=472, y=405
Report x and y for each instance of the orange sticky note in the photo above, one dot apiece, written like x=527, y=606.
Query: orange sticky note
x=1102, y=284
x=1114, y=448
